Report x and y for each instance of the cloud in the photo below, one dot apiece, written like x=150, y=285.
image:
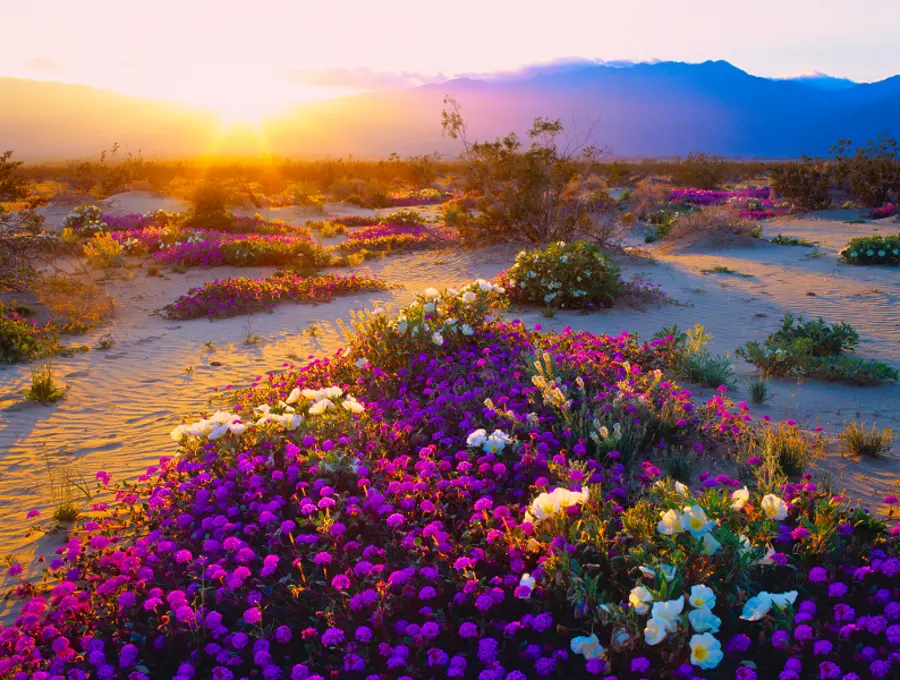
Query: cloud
x=365, y=78
x=43, y=66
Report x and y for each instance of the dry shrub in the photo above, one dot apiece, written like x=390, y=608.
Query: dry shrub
x=76, y=301
x=649, y=195
x=714, y=221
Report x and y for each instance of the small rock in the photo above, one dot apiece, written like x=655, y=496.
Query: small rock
x=811, y=294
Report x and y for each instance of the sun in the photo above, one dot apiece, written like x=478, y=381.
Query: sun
x=249, y=111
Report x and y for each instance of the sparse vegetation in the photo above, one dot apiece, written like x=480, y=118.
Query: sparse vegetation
x=43, y=388
x=760, y=391
x=692, y=359
x=722, y=269
x=856, y=440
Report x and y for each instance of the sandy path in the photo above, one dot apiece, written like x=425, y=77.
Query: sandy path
x=124, y=401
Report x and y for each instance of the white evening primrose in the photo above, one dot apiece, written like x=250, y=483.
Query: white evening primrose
x=466, y=329
x=740, y=498
x=774, y=507
x=352, y=405
x=670, y=524
x=784, y=599
x=702, y=596
x=710, y=546
x=588, y=646
x=496, y=442
x=293, y=397
x=527, y=581
x=362, y=362
x=647, y=571
x=706, y=651
x=682, y=489
x=437, y=339
x=668, y=611
x=757, y=607
x=477, y=438
x=431, y=292
x=695, y=520
x=468, y=297
x=655, y=631
x=640, y=599
x=668, y=572
x=703, y=621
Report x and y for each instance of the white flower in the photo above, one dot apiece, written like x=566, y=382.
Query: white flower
x=496, y=442
x=757, y=607
x=740, y=498
x=647, y=571
x=640, y=598
x=468, y=297
x=321, y=406
x=682, y=489
x=621, y=636
x=655, y=631
x=293, y=397
x=437, y=339
x=774, y=507
x=702, y=597
x=784, y=599
x=588, y=646
x=703, y=620
x=429, y=307
x=477, y=438
x=670, y=524
x=668, y=572
x=668, y=611
x=362, y=362
x=466, y=329
x=706, y=651
x=695, y=520
x=710, y=545
x=352, y=405
x=431, y=292
x=767, y=558
x=401, y=327
x=527, y=581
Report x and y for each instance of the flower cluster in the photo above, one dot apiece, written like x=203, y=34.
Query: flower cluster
x=395, y=237
x=245, y=250
x=875, y=249
x=704, y=197
x=243, y=295
x=85, y=219
x=485, y=506
x=886, y=210
x=399, y=199
x=573, y=275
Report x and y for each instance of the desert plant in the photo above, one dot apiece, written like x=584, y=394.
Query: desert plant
x=873, y=172
x=786, y=447
x=13, y=185
x=722, y=269
x=806, y=182
x=715, y=220
x=781, y=240
x=208, y=208
x=538, y=193
x=68, y=487
x=700, y=170
x=43, y=388
x=856, y=440
x=103, y=251
x=824, y=339
x=759, y=390
x=692, y=360
x=875, y=249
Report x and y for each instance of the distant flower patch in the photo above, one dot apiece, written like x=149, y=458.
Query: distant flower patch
x=884, y=211
x=395, y=237
x=243, y=295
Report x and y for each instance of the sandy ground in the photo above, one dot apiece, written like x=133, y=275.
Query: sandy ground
x=123, y=402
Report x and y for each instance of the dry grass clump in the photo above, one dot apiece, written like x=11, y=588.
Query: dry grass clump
x=856, y=440
x=713, y=221
x=649, y=196
x=76, y=302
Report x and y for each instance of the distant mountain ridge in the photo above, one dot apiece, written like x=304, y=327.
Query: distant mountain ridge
x=643, y=110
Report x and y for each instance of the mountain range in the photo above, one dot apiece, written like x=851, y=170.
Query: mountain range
x=656, y=109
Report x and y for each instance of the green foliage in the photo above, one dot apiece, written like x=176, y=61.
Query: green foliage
x=825, y=339
x=806, y=182
x=759, y=390
x=43, y=389
x=536, y=192
x=700, y=170
x=208, y=208
x=12, y=182
x=875, y=249
x=872, y=172
x=856, y=440
x=20, y=339
x=785, y=447
x=564, y=275
x=790, y=241
x=693, y=361
x=722, y=269
x=814, y=349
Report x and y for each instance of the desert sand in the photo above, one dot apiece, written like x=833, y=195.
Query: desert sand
x=123, y=402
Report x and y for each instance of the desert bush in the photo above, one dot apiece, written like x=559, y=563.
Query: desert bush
x=24, y=248
x=784, y=447
x=76, y=302
x=717, y=220
x=875, y=249
x=13, y=185
x=692, y=359
x=700, y=170
x=807, y=182
x=856, y=440
x=575, y=275
x=103, y=251
x=85, y=220
x=208, y=208
x=650, y=196
x=815, y=349
x=536, y=193
x=456, y=213
x=824, y=339
x=872, y=172
x=20, y=338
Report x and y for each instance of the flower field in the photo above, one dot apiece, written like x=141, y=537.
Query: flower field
x=451, y=496
x=244, y=295
x=394, y=237
x=753, y=204
x=886, y=210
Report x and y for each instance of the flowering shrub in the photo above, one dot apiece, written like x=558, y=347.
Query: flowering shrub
x=247, y=250
x=243, y=295
x=394, y=238
x=428, y=196
x=563, y=275
x=886, y=210
x=20, y=339
x=873, y=249
x=85, y=219
x=815, y=349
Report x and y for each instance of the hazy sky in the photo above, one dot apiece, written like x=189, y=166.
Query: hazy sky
x=211, y=51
